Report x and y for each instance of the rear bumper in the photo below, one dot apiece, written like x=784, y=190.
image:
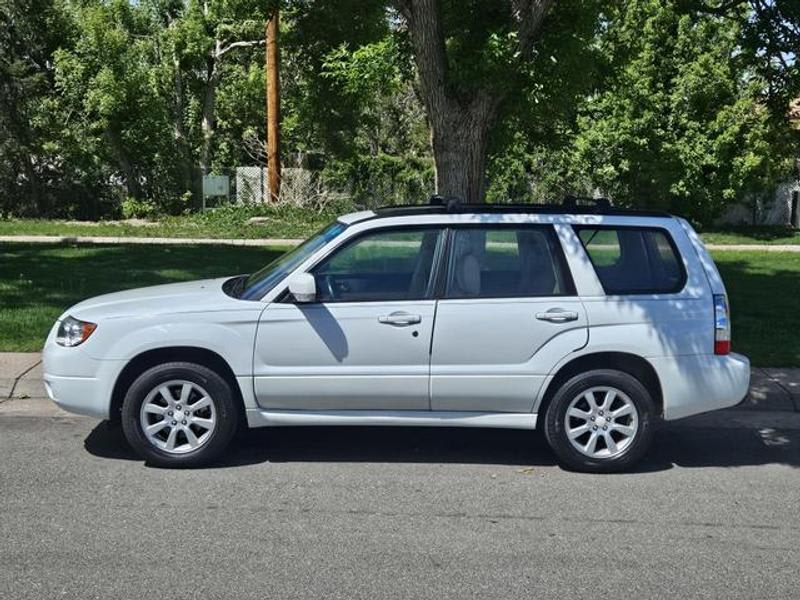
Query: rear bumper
x=696, y=384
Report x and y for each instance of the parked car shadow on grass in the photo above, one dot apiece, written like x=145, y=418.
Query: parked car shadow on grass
x=673, y=446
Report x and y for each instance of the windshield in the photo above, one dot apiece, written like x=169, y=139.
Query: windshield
x=260, y=282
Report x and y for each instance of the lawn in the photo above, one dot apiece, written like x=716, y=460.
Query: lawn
x=764, y=290
x=225, y=222
x=773, y=235
x=39, y=281
x=293, y=222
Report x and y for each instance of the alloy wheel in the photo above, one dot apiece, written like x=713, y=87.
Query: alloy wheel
x=601, y=422
x=178, y=416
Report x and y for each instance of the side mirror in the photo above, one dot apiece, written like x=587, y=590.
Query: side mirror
x=303, y=287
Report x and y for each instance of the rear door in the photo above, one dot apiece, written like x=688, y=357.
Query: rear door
x=508, y=313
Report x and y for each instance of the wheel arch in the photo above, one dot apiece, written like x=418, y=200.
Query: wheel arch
x=150, y=358
x=632, y=364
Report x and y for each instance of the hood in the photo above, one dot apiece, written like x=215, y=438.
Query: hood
x=191, y=296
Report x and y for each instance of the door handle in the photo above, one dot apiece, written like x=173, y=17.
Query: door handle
x=400, y=318
x=557, y=315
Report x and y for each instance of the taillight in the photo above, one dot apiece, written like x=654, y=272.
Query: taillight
x=722, y=325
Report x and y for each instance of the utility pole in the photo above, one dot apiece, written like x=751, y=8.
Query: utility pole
x=273, y=107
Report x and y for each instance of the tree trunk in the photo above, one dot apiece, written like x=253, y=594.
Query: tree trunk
x=462, y=118
x=459, y=138
x=459, y=122
x=209, y=122
x=132, y=186
x=184, y=154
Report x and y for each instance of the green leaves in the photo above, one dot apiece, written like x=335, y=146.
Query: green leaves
x=655, y=103
x=360, y=71
x=679, y=123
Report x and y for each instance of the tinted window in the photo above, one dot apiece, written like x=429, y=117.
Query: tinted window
x=632, y=260
x=386, y=265
x=506, y=262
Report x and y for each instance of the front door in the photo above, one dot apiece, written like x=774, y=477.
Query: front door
x=364, y=345
x=508, y=314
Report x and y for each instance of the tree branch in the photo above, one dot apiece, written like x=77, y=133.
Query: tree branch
x=223, y=50
x=403, y=7
x=530, y=15
x=721, y=8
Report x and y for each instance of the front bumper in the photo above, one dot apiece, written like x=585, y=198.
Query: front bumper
x=700, y=383
x=77, y=382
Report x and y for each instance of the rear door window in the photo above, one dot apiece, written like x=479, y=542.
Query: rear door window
x=633, y=260
x=507, y=262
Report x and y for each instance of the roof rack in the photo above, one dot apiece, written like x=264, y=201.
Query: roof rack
x=576, y=201
x=572, y=205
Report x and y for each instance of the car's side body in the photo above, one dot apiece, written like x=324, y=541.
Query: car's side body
x=471, y=361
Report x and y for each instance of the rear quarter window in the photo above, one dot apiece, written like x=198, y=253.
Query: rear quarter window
x=633, y=260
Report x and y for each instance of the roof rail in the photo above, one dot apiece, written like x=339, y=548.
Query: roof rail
x=575, y=205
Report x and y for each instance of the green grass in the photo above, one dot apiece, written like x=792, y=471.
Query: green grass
x=764, y=291
x=773, y=235
x=39, y=281
x=292, y=222
x=225, y=222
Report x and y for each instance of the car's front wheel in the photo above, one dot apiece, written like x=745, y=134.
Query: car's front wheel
x=600, y=421
x=179, y=414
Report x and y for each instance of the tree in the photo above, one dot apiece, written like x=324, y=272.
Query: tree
x=32, y=178
x=680, y=121
x=208, y=34
x=322, y=112
x=105, y=84
x=469, y=57
x=483, y=72
x=770, y=42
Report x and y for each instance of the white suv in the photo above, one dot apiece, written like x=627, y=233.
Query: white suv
x=590, y=322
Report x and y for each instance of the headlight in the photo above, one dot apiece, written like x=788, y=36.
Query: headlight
x=72, y=331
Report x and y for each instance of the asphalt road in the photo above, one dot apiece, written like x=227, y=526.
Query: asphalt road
x=403, y=513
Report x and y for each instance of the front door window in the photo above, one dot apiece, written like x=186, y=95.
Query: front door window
x=382, y=266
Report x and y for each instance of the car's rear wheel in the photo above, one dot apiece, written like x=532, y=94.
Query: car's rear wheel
x=179, y=415
x=600, y=421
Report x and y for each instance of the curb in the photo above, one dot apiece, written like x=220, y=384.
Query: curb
x=734, y=418
x=754, y=247
x=81, y=239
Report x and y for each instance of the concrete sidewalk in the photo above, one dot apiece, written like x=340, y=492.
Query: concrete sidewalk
x=21, y=375
x=771, y=390
x=91, y=239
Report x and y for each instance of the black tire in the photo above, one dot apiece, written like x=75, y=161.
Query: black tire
x=555, y=431
x=227, y=414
